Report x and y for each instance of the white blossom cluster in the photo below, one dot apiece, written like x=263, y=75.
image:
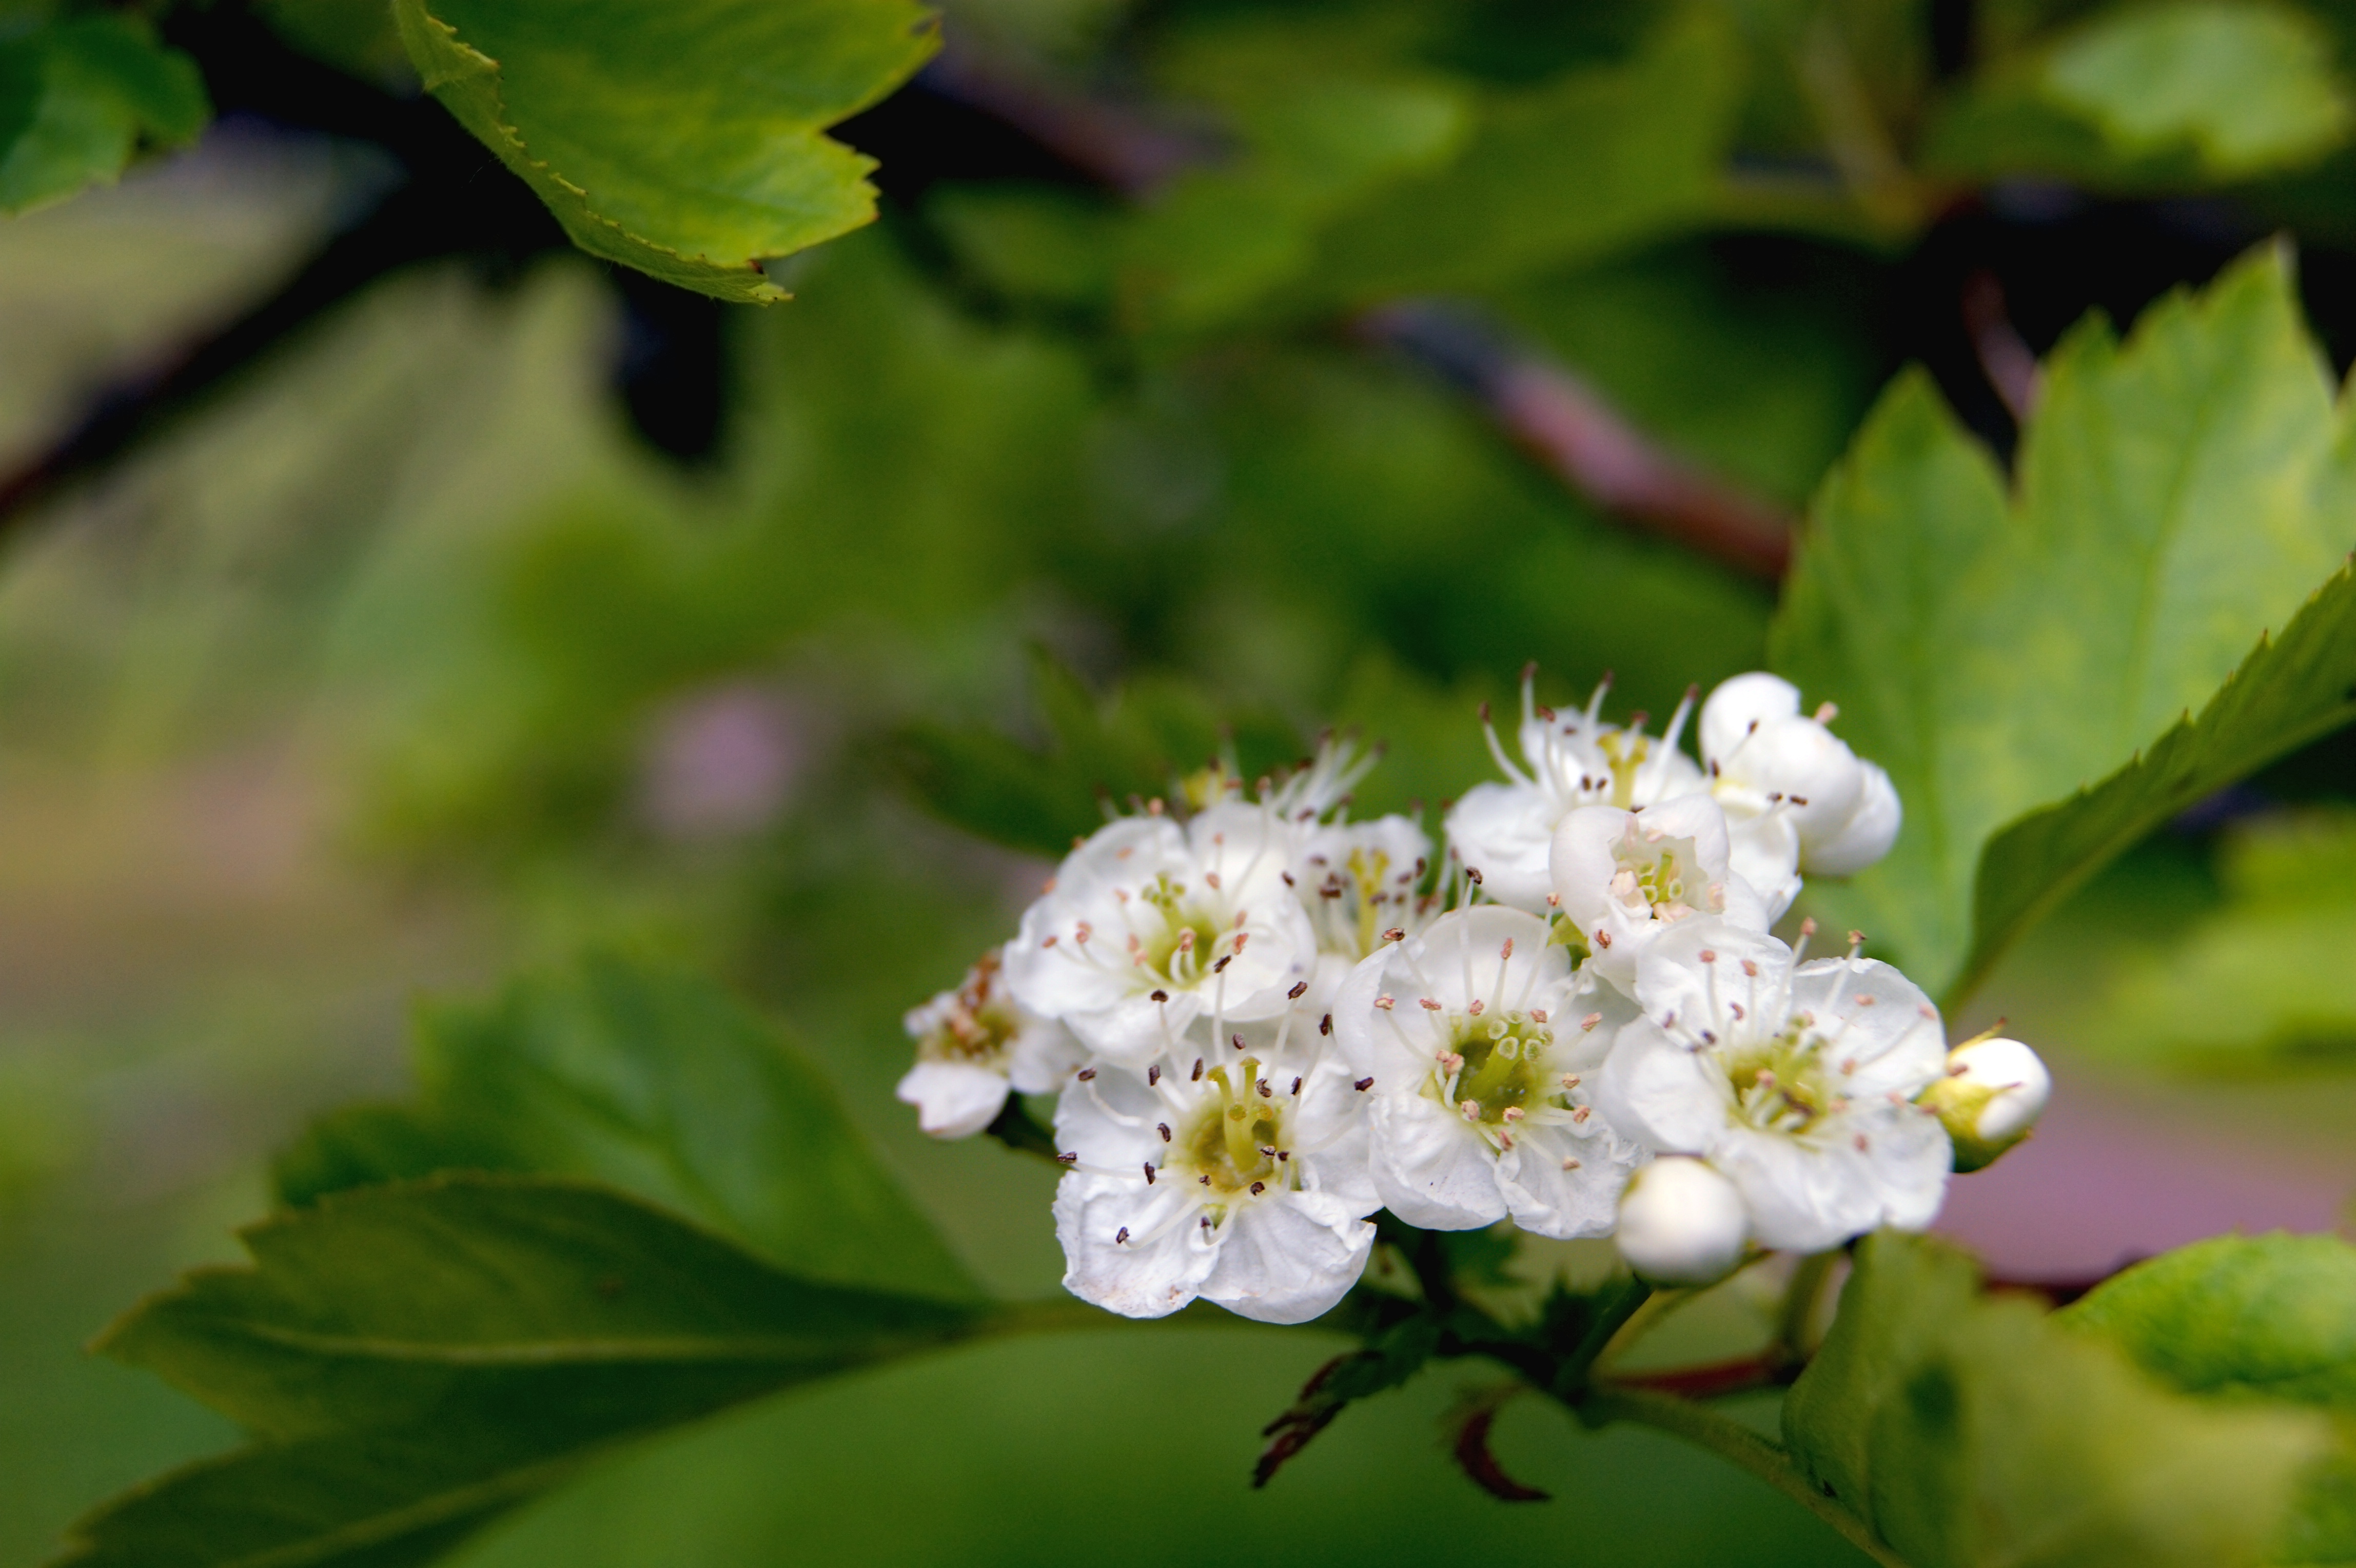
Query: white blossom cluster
x=1269, y=1022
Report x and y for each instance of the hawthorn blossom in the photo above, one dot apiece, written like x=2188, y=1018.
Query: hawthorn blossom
x=1505, y=831
x=1473, y=1041
x=1621, y=878
x=1794, y=1080
x=1230, y=1172
x=1147, y=927
x=1793, y=791
x=974, y=1046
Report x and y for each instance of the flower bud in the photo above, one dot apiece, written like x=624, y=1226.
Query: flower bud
x=1871, y=828
x=1990, y=1099
x=1743, y=704
x=1682, y=1223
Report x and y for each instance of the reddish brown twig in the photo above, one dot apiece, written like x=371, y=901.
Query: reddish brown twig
x=1561, y=421
x=1470, y=1444
x=2005, y=356
x=1117, y=144
x=1716, y=1379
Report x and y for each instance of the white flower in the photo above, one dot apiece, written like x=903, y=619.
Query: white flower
x=1795, y=1081
x=1147, y=927
x=1990, y=1098
x=974, y=1045
x=1236, y=1175
x=1505, y=831
x=1473, y=1041
x=1790, y=786
x=1682, y=1223
x=1621, y=878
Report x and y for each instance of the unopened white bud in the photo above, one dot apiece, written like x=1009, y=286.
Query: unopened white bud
x=1990, y=1099
x=1682, y=1223
x=1740, y=703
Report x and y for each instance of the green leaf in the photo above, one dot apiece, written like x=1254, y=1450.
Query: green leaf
x=2188, y=92
x=2261, y=977
x=1600, y=160
x=683, y=139
x=1973, y=1431
x=2177, y=496
x=660, y=1085
x=2255, y=1318
x=79, y=95
x=412, y=1360
x=1142, y=742
x=2271, y=1316
x=2288, y=690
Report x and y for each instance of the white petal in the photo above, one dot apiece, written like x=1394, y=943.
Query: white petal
x=1882, y=1034
x=1505, y=831
x=1581, y=864
x=1042, y=1055
x=1288, y=1259
x=1818, y=777
x=1108, y=1121
x=1563, y=1186
x=1803, y=1196
x=1911, y=1159
x=1871, y=828
x=1739, y=703
x=1136, y=1029
x=1764, y=852
x=1656, y=1092
x=1674, y=982
x=1431, y=1167
x=1149, y=1275
x=953, y=1100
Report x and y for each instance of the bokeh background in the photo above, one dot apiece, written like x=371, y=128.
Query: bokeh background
x=482, y=607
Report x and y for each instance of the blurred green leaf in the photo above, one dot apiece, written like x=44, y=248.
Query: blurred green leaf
x=414, y=1360
x=663, y=1086
x=686, y=139
x=355, y=35
x=1600, y=159
x=2267, y=1315
x=2261, y=976
x=2184, y=91
x=1141, y=742
x=1974, y=1430
x=2290, y=689
x=2177, y=496
x=79, y=95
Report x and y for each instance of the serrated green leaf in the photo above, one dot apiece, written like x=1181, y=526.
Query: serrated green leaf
x=2290, y=689
x=2183, y=93
x=660, y=1085
x=1973, y=1432
x=684, y=139
x=414, y=1359
x=79, y=95
x=2177, y=496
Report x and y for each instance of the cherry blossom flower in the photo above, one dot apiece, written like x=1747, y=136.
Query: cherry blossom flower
x=975, y=1045
x=1473, y=1042
x=1795, y=1081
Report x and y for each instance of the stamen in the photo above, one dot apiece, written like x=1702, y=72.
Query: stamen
x=1363, y=1085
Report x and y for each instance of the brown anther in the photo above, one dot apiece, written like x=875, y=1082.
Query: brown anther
x=1257, y=1187
x=1153, y=1076
x=1477, y=1008
x=1708, y=955
x=1265, y=1093
x=1808, y=927
x=1163, y=1128
x=1364, y=1084
x=1588, y=1023
x=1149, y=1173
x=1426, y=1003
x=1554, y=900
x=1537, y=1015
x=1220, y=967
x=1068, y=1159
x=1236, y=1041
x=1160, y=996
x=1086, y=1073
x=1298, y=992
x=1325, y=1024
x=1386, y=1001
x=1197, y=1077
x=1751, y=968
x=1296, y=1086
x=1121, y=1236
x=1602, y=938
x=1506, y=951
x=1396, y=934
x=1047, y=941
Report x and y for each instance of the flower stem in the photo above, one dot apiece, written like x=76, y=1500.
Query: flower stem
x=1743, y=1448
